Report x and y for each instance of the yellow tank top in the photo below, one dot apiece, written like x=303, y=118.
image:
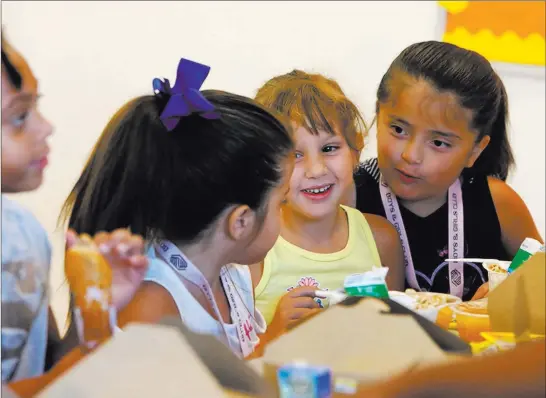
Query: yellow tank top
x=287, y=266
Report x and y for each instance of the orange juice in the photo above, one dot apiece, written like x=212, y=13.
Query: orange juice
x=472, y=319
x=445, y=317
x=470, y=326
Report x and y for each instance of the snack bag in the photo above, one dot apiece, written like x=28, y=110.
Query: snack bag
x=371, y=283
x=90, y=280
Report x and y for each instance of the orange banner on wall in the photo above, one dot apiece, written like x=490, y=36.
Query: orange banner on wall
x=504, y=31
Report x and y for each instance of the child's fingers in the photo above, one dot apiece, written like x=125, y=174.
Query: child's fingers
x=71, y=238
x=102, y=240
x=118, y=237
x=127, y=243
x=120, y=234
x=139, y=261
x=120, y=256
x=304, y=302
x=130, y=245
x=121, y=250
x=302, y=313
x=482, y=291
x=303, y=291
x=298, y=314
x=101, y=237
x=136, y=245
x=113, y=238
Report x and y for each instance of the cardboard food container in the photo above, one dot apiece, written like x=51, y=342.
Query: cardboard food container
x=363, y=340
x=165, y=360
x=446, y=340
x=236, y=376
x=518, y=305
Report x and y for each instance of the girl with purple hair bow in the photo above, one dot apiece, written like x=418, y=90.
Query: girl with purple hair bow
x=200, y=174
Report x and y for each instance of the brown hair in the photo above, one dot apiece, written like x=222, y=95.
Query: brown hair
x=316, y=102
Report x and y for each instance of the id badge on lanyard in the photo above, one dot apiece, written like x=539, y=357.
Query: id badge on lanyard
x=455, y=231
x=239, y=313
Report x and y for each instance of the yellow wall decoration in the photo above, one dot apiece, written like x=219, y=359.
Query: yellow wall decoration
x=503, y=31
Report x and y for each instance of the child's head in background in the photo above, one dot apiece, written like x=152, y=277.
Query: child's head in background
x=329, y=134
x=207, y=181
x=441, y=109
x=24, y=129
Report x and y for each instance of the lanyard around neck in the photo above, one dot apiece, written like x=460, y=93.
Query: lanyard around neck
x=455, y=231
x=239, y=314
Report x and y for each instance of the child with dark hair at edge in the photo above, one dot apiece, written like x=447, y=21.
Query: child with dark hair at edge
x=321, y=241
x=200, y=174
x=443, y=156
x=29, y=330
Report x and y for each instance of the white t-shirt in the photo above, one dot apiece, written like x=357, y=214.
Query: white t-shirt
x=26, y=256
x=194, y=316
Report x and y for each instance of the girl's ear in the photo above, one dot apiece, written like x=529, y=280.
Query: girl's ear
x=477, y=150
x=240, y=222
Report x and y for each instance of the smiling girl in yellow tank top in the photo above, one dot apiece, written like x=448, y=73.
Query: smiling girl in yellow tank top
x=321, y=240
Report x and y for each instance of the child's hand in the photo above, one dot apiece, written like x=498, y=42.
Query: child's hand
x=482, y=292
x=125, y=255
x=296, y=304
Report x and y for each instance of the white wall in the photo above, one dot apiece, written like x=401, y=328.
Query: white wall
x=91, y=57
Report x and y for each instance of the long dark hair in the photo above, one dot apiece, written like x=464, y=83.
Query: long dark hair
x=472, y=79
x=177, y=183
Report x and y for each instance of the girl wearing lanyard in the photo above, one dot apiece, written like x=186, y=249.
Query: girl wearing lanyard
x=202, y=176
x=443, y=158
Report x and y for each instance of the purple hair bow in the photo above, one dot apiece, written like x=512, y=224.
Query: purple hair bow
x=185, y=98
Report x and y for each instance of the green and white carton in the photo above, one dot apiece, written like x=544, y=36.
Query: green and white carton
x=529, y=247
x=369, y=284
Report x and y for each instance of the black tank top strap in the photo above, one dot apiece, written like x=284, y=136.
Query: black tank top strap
x=366, y=177
x=428, y=236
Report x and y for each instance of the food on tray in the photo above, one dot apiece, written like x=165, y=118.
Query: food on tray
x=424, y=300
x=477, y=307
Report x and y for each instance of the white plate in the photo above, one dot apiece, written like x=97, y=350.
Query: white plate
x=410, y=302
